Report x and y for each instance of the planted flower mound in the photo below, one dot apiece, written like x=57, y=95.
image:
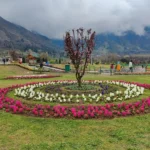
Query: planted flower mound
x=72, y=88
x=105, y=93
x=109, y=110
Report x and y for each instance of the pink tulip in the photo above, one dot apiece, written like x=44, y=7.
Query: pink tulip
x=142, y=109
x=20, y=110
x=124, y=113
x=1, y=106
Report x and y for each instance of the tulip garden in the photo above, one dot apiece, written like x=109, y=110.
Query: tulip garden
x=84, y=104
x=55, y=114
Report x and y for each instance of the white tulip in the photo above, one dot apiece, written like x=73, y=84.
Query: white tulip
x=108, y=99
x=77, y=101
x=112, y=94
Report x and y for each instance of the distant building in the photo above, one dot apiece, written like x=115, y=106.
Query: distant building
x=32, y=58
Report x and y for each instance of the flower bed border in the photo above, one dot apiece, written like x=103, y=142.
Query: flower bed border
x=31, y=77
x=109, y=110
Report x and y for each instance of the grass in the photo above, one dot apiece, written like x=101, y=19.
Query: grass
x=90, y=67
x=12, y=70
x=30, y=133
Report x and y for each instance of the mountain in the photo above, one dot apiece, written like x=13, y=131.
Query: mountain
x=127, y=43
x=13, y=36
x=58, y=42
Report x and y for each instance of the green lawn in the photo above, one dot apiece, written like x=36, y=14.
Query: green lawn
x=90, y=67
x=30, y=133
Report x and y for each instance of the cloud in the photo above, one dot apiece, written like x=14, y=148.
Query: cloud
x=54, y=17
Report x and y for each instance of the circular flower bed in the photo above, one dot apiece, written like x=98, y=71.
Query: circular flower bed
x=104, y=92
x=109, y=110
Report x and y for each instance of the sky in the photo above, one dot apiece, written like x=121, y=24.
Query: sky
x=53, y=18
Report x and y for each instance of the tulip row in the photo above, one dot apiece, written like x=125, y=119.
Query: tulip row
x=28, y=92
x=32, y=76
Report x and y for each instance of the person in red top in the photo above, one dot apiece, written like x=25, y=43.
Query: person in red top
x=111, y=68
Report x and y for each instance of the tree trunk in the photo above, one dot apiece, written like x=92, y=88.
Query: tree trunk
x=78, y=77
x=79, y=81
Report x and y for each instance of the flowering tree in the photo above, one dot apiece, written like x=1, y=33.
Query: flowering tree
x=79, y=46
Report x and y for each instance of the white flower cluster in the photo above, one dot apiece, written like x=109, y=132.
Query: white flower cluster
x=19, y=76
x=131, y=91
x=29, y=92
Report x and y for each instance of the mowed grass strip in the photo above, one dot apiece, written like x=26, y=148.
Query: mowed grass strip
x=30, y=133
x=94, y=67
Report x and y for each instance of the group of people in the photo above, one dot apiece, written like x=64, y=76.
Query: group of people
x=118, y=67
x=5, y=60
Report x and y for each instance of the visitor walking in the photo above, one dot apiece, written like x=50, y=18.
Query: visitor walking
x=41, y=64
x=111, y=68
x=118, y=66
x=131, y=66
x=4, y=60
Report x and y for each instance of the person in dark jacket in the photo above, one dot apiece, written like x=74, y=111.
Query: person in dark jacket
x=111, y=68
x=41, y=64
x=4, y=60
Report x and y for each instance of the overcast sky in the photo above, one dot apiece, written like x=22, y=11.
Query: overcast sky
x=54, y=17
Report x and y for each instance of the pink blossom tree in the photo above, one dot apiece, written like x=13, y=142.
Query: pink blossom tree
x=79, y=46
